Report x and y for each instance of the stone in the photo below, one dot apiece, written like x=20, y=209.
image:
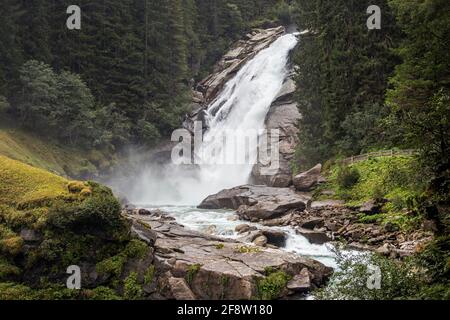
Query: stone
x=306, y=181
x=260, y=241
x=327, y=203
x=315, y=237
x=301, y=282
x=180, y=290
x=275, y=237
x=312, y=223
x=256, y=202
x=370, y=207
x=30, y=235
x=198, y=265
x=242, y=228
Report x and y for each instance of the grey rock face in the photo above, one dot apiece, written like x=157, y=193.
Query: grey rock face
x=256, y=202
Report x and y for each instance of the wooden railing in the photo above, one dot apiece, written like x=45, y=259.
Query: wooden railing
x=383, y=153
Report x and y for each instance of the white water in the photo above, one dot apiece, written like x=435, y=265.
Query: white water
x=223, y=225
x=242, y=105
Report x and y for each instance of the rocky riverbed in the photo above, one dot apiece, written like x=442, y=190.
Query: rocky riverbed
x=195, y=265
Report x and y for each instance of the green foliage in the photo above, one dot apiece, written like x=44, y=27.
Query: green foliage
x=271, y=286
x=343, y=79
x=4, y=104
x=192, y=271
x=420, y=98
x=103, y=293
x=399, y=280
x=132, y=289
x=347, y=177
x=149, y=275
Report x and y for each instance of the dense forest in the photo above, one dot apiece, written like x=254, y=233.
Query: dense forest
x=126, y=76
x=362, y=90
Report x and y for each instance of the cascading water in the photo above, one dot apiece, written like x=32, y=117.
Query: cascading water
x=241, y=106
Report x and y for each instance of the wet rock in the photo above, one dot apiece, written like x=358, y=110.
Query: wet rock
x=306, y=181
x=216, y=268
x=256, y=202
x=260, y=241
x=283, y=116
x=242, y=228
x=315, y=237
x=275, y=237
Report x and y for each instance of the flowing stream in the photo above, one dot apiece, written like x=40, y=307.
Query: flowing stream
x=242, y=105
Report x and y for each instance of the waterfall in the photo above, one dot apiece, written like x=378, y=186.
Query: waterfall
x=242, y=105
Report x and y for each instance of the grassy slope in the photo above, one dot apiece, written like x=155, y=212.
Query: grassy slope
x=22, y=183
x=393, y=178
x=40, y=152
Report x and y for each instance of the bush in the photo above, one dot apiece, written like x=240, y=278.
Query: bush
x=270, y=287
x=132, y=289
x=347, y=177
x=399, y=280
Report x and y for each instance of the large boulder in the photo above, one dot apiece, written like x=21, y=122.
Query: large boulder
x=306, y=181
x=256, y=202
x=283, y=116
x=193, y=265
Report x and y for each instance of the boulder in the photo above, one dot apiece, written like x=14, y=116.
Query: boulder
x=306, y=181
x=242, y=228
x=191, y=264
x=301, y=282
x=180, y=290
x=283, y=116
x=312, y=223
x=260, y=241
x=275, y=237
x=256, y=202
x=370, y=207
x=315, y=237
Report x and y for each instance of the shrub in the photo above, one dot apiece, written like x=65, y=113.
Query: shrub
x=132, y=289
x=347, y=177
x=271, y=286
x=399, y=280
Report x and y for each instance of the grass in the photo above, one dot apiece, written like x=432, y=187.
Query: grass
x=22, y=185
x=392, y=178
x=19, y=144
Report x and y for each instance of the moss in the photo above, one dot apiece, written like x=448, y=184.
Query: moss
x=271, y=286
x=112, y=266
x=132, y=289
x=219, y=246
x=102, y=293
x=247, y=249
x=23, y=186
x=149, y=275
x=7, y=270
x=18, y=144
x=136, y=249
x=192, y=271
x=76, y=186
x=14, y=291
